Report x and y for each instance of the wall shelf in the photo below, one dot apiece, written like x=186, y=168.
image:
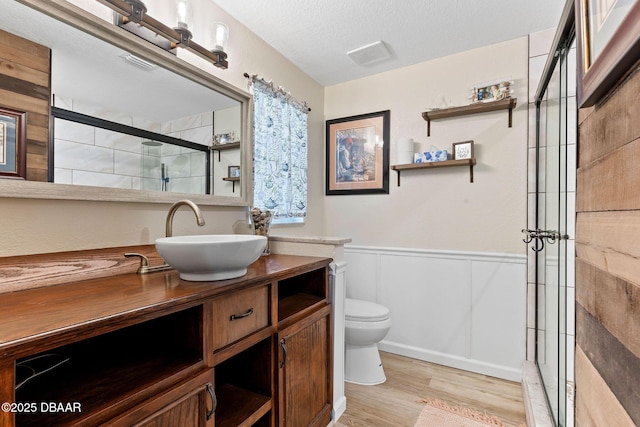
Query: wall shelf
x=223, y=147
x=480, y=107
x=233, y=180
x=433, y=165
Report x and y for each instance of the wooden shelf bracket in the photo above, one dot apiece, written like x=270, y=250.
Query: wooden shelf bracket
x=233, y=180
x=223, y=147
x=434, y=165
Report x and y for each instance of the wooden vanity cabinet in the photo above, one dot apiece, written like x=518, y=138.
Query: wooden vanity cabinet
x=305, y=350
x=273, y=353
x=304, y=372
x=190, y=403
x=122, y=377
x=157, y=351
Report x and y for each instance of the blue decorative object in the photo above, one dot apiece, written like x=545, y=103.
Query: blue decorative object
x=430, y=156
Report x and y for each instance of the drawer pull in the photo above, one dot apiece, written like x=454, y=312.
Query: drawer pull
x=241, y=316
x=214, y=401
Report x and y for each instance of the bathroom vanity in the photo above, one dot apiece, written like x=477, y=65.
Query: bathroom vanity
x=154, y=350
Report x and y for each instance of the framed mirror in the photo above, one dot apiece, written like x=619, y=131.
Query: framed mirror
x=127, y=121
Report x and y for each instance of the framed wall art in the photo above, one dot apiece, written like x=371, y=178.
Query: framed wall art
x=608, y=37
x=233, y=172
x=463, y=150
x=13, y=150
x=357, y=152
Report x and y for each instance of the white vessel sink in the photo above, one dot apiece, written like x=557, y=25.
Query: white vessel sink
x=211, y=257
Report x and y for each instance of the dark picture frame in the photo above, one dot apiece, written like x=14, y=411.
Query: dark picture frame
x=462, y=150
x=233, y=172
x=357, y=152
x=13, y=150
x=608, y=43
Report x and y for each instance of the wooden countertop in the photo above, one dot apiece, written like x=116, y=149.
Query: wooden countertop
x=43, y=318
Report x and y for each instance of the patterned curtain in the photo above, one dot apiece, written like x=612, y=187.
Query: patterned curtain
x=280, y=153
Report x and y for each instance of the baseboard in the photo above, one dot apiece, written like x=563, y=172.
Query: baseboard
x=339, y=406
x=453, y=361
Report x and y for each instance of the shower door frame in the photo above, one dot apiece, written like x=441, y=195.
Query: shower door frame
x=557, y=62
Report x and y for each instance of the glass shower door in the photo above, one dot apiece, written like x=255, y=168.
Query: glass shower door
x=551, y=316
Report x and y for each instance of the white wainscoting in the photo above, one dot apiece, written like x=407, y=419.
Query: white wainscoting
x=461, y=309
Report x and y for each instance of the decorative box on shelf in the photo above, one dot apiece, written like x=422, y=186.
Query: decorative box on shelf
x=430, y=156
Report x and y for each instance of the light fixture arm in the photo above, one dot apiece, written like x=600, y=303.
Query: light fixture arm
x=135, y=10
x=138, y=10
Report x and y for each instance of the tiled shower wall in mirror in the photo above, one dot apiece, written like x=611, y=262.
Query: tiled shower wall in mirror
x=85, y=155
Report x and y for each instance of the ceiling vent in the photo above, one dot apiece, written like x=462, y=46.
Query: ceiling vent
x=370, y=54
x=138, y=62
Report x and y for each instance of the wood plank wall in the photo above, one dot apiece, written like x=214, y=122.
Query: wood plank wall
x=607, y=360
x=25, y=85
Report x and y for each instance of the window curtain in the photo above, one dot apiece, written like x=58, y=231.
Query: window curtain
x=280, y=153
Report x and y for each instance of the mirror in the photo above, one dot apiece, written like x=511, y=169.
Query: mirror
x=130, y=120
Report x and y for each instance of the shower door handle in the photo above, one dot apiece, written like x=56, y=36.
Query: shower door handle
x=540, y=236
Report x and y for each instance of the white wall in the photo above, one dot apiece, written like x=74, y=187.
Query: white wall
x=225, y=121
x=440, y=209
x=445, y=255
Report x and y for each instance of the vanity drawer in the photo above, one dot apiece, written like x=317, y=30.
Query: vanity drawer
x=239, y=314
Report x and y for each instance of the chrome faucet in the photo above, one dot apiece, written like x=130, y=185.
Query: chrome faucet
x=174, y=208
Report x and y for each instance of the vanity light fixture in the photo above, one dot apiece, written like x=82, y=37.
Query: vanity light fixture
x=132, y=16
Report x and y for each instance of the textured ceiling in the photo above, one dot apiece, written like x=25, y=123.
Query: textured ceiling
x=316, y=34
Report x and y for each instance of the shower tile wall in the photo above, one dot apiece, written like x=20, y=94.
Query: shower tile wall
x=186, y=168
x=85, y=155
x=539, y=46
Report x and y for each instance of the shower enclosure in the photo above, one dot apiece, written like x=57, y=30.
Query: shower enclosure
x=552, y=240
x=168, y=167
x=89, y=150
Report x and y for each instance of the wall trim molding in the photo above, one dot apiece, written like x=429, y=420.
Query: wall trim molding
x=436, y=253
x=453, y=361
x=482, y=297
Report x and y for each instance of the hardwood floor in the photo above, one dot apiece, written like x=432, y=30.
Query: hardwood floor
x=397, y=402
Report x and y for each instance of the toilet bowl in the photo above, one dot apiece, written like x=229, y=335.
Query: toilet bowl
x=366, y=323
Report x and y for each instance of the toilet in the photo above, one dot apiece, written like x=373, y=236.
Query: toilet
x=366, y=323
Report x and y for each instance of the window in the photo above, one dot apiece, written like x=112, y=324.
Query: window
x=280, y=153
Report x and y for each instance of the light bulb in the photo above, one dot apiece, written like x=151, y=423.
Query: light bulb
x=183, y=9
x=220, y=36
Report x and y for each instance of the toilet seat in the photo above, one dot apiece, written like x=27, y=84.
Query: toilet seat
x=365, y=311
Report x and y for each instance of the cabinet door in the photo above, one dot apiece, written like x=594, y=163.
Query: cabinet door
x=305, y=367
x=189, y=404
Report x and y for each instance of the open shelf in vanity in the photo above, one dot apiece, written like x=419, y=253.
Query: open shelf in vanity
x=109, y=372
x=301, y=293
x=243, y=386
